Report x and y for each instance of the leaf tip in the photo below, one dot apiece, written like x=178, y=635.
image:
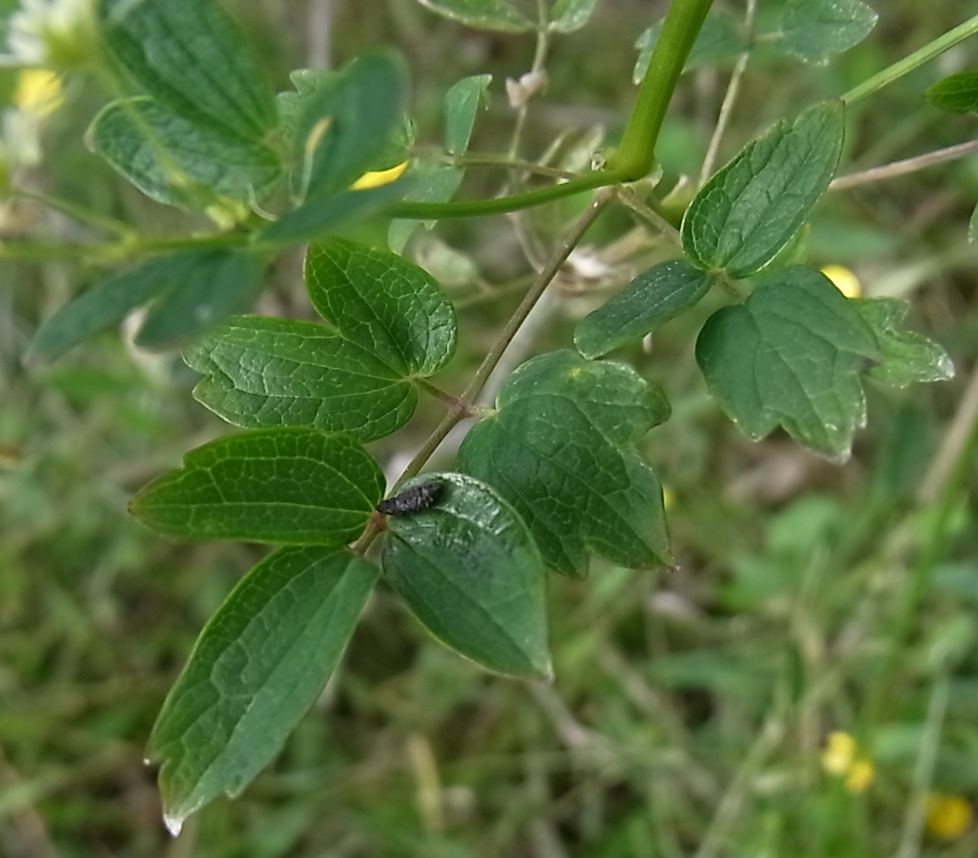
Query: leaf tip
x=173, y=823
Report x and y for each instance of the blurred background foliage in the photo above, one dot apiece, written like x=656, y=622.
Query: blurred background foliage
x=782, y=692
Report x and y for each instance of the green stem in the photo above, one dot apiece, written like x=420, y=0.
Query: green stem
x=635, y=157
x=504, y=205
x=77, y=212
x=922, y=55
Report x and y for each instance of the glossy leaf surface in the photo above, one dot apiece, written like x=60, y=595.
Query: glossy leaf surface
x=749, y=210
x=561, y=450
x=286, y=486
x=469, y=570
x=260, y=663
x=815, y=30
x=501, y=15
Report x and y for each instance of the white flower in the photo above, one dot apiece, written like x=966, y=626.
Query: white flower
x=51, y=33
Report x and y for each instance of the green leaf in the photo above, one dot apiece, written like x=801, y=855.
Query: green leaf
x=973, y=226
x=384, y=303
x=190, y=56
x=461, y=103
x=260, y=663
x=287, y=486
x=561, y=450
x=956, y=93
x=324, y=215
x=393, y=323
x=791, y=356
x=814, y=30
x=750, y=209
x=469, y=570
x=217, y=284
x=342, y=120
x=907, y=357
x=499, y=15
x=653, y=298
x=433, y=183
x=566, y=16
x=279, y=372
x=721, y=38
x=107, y=304
x=176, y=161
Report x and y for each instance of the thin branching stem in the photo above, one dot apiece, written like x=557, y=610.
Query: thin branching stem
x=904, y=167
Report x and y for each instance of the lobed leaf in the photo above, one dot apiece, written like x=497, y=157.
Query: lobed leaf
x=259, y=664
x=500, y=15
x=561, y=450
x=286, y=486
x=956, y=93
x=791, y=356
x=749, y=210
x=907, y=357
x=654, y=297
x=468, y=568
x=815, y=30
x=178, y=161
x=191, y=56
x=340, y=121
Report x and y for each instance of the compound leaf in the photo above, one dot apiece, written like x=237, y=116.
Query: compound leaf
x=561, y=450
x=907, y=357
x=749, y=210
x=286, y=486
x=468, y=568
x=656, y=295
x=814, y=30
x=260, y=663
x=191, y=56
x=791, y=356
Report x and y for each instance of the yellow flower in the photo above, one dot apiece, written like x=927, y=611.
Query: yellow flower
x=377, y=178
x=948, y=816
x=844, y=280
x=841, y=758
x=38, y=92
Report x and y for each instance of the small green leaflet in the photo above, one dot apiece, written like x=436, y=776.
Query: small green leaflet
x=722, y=37
x=907, y=357
x=973, y=226
x=653, y=298
x=260, y=663
x=749, y=210
x=561, y=450
x=180, y=162
x=355, y=377
x=285, y=486
x=815, y=30
x=502, y=15
x=190, y=56
x=956, y=93
x=791, y=356
x=468, y=568
x=566, y=16
x=461, y=103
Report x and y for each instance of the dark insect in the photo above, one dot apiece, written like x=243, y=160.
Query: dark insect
x=412, y=500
